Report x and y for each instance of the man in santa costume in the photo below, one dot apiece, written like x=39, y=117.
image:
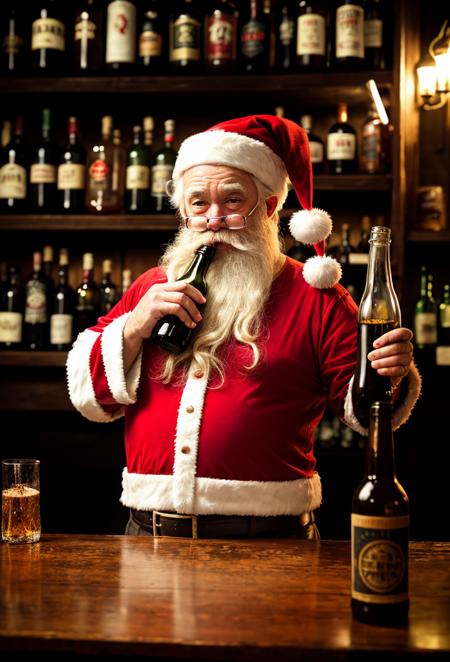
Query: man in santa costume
x=219, y=438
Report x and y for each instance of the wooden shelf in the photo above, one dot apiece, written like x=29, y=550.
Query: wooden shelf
x=33, y=359
x=86, y=222
x=428, y=235
x=353, y=182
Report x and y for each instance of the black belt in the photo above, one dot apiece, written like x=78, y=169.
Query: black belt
x=217, y=526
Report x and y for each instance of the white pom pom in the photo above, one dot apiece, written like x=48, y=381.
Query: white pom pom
x=310, y=227
x=322, y=272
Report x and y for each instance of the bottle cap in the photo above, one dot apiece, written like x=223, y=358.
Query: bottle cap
x=88, y=261
x=107, y=266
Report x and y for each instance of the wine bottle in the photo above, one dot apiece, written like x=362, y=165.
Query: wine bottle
x=373, y=35
x=13, y=173
x=151, y=40
x=43, y=170
x=374, y=144
x=170, y=332
x=11, y=311
x=341, y=145
x=221, y=25
x=163, y=164
x=443, y=348
x=286, y=58
x=108, y=291
x=12, y=42
x=137, y=193
x=185, y=37
x=379, y=312
x=312, y=23
x=254, y=47
x=118, y=169
x=316, y=145
x=48, y=38
x=344, y=255
x=121, y=36
x=86, y=297
x=363, y=246
x=72, y=172
x=47, y=265
x=380, y=530
x=6, y=133
x=101, y=197
x=349, y=45
x=61, y=319
x=126, y=281
x=37, y=307
x=426, y=315
x=87, y=38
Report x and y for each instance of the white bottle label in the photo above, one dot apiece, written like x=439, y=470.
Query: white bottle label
x=425, y=329
x=121, y=32
x=445, y=317
x=61, y=329
x=350, y=31
x=48, y=33
x=373, y=34
x=10, y=327
x=160, y=176
x=43, y=173
x=36, y=303
x=311, y=34
x=71, y=176
x=341, y=146
x=138, y=177
x=316, y=151
x=84, y=29
x=13, y=181
x=358, y=258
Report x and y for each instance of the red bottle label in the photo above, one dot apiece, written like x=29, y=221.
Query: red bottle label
x=99, y=170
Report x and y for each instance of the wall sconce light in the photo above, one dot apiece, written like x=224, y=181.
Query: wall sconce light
x=433, y=72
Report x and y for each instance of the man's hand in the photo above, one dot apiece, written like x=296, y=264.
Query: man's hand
x=392, y=355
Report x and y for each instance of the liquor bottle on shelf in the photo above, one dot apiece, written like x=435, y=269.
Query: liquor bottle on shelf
x=425, y=315
x=185, y=37
x=87, y=55
x=286, y=58
x=341, y=145
x=86, y=297
x=149, y=124
x=221, y=26
x=254, y=40
x=379, y=312
x=121, y=36
x=344, y=253
x=43, y=170
x=118, y=172
x=312, y=41
x=443, y=347
x=137, y=191
x=363, y=245
x=11, y=311
x=13, y=173
x=71, y=172
x=152, y=37
x=316, y=145
x=61, y=319
x=163, y=164
x=349, y=44
x=6, y=133
x=100, y=195
x=170, y=332
x=108, y=291
x=126, y=281
x=380, y=530
x=48, y=38
x=374, y=157
x=37, y=307
x=47, y=264
x=12, y=42
x=373, y=35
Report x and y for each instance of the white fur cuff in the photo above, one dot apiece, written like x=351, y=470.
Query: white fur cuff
x=123, y=387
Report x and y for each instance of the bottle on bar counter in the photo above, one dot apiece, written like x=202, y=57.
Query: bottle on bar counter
x=379, y=312
x=380, y=530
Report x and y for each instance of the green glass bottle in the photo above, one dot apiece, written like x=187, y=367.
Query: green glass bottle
x=425, y=314
x=170, y=332
x=137, y=191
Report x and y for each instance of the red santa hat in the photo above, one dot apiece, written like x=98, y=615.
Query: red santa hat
x=274, y=150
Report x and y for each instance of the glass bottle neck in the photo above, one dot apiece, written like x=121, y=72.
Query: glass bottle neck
x=380, y=462
x=200, y=264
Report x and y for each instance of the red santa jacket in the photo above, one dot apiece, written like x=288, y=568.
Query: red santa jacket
x=244, y=447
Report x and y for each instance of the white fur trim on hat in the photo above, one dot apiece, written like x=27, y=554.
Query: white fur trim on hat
x=218, y=147
x=322, y=272
x=310, y=226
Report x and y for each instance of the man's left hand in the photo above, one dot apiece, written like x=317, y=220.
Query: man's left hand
x=392, y=355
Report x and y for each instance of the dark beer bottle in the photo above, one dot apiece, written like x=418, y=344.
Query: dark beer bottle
x=170, y=332
x=380, y=526
x=379, y=312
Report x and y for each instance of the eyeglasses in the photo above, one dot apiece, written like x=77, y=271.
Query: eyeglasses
x=230, y=221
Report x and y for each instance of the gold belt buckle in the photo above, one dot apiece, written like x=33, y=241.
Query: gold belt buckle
x=156, y=524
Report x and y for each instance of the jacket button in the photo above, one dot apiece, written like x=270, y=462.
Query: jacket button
x=190, y=409
x=186, y=450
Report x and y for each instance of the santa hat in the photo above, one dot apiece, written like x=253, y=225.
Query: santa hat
x=274, y=150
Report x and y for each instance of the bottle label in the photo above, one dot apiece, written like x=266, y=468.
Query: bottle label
x=71, y=176
x=84, y=29
x=13, y=181
x=287, y=31
x=99, y=170
x=160, y=176
x=445, y=316
x=316, y=152
x=48, y=33
x=121, y=32
x=185, y=39
x=10, y=327
x=380, y=559
x=12, y=44
x=350, y=31
x=371, y=148
x=221, y=37
x=61, y=329
x=35, y=303
x=341, y=146
x=311, y=34
x=373, y=34
x=253, y=38
x=358, y=258
x=150, y=44
x=443, y=355
x=425, y=328
x=138, y=177
x=42, y=173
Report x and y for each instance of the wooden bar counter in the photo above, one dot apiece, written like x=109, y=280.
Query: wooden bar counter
x=179, y=599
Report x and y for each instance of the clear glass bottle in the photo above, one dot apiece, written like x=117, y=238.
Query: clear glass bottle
x=101, y=196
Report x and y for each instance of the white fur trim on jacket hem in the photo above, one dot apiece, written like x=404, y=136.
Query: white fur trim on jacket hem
x=214, y=496
x=81, y=390
x=123, y=387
